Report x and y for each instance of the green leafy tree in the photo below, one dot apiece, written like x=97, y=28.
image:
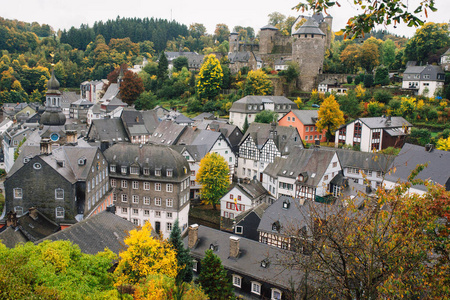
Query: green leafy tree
x=213, y=176
x=350, y=104
x=162, y=71
x=180, y=62
x=428, y=39
x=330, y=116
x=388, y=51
x=213, y=277
x=145, y=101
x=266, y=116
x=292, y=72
x=373, y=12
x=382, y=76
x=420, y=136
x=257, y=83
x=221, y=32
x=183, y=257
x=210, y=78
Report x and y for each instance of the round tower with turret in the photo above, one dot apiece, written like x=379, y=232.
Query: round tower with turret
x=308, y=50
x=267, y=38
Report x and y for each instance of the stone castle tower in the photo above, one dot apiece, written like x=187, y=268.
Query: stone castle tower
x=306, y=46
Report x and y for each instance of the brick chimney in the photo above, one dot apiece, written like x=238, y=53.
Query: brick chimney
x=33, y=213
x=192, y=235
x=71, y=137
x=11, y=219
x=234, y=246
x=46, y=146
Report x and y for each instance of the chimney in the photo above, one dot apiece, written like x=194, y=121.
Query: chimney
x=46, y=146
x=33, y=213
x=234, y=246
x=11, y=219
x=71, y=137
x=429, y=147
x=104, y=145
x=192, y=235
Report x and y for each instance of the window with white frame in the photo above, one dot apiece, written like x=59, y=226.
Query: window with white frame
x=134, y=170
x=169, y=202
x=135, y=221
x=239, y=229
x=157, y=172
x=169, y=173
x=135, y=184
x=135, y=199
x=59, y=194
x=59, y=212
x=18, y=210
x=124, y=197
x=158, y=187
x=146, y=186
x=169, y=226
x=146, y=212
x=194, y=265
x=112, y=168
x=146, y=200
x=169, y=187
x=256, y=288
x=146, y=171
x=135, y=211
x=124, y=170
x=89, y=186
x=124, y=184
x=169, y=215
x=124, y=210
x=276, y=294
x=158, y=201
x=157, y=214
x=113, y=183
x=18, y=193
x=237, y=280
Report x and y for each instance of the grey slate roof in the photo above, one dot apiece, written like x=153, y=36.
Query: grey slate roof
x=68, y=98
x=258, y=210
x=251, y=255
x=411, y=155
x=111, y=92
x=307, y=117
x=94, y=234
x=295, y=217
x=434, y=72
x=381, y=122
x=269, y=27
x=197, y=152
x=167, y=133
x=312, y=161
x=253, y=189
x=111, y=130
x=205, y=115
x=151, y=156
x=241, y=105
x=243, y=56
x=10, y=237
x=364, y=160
x=310, y=27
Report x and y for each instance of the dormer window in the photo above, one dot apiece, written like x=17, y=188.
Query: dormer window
x=134, y=170
x=265, y=263
x=286, y=204
x=276, y=226
x=112, y=168
x=146, y=171
x=124, y=170
x=213, y=247
x=157, y=172
x=169, y=173
x=300, y=178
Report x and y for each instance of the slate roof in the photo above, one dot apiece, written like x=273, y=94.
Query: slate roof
x=253, y=189
x=382, y=122
x=181, y=119
x=258, y=210
x=261, y=133
x=111, y=92
x=94, y=234
x=411, y=155
x=231, y=132
x=269, y=27
x=111, y=130
x=364, y=160
x=241, y=105
x=435, y=73
x=151, y=120
x=167, y=133
x=307, y=117
x=251, y=255
x=10, y=237
x=197, y=152
x=243, y=56
x=310, y=27
x=134, y=122
x=205, y=115
x=81, y=102
x=151, y=156
x=295, y=217
x=313, y=162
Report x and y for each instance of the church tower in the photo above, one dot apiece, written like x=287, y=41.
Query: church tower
x=53, y=119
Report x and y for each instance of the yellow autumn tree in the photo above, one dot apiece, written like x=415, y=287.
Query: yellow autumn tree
x=210, y=78
x=330, y=116
x=145, y=256
x=257, y=83
x=213, y=176
x=443, y=144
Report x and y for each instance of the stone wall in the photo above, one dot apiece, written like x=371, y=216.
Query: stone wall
x=342, y=78
x=281, y=87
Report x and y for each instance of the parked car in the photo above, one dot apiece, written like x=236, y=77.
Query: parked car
x=315, y=105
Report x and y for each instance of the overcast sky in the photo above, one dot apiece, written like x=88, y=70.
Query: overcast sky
x=63, y=14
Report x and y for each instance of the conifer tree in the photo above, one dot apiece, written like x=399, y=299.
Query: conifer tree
x=245, y=127
x=213, y=277
x=183, y=257
x=162, y=72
